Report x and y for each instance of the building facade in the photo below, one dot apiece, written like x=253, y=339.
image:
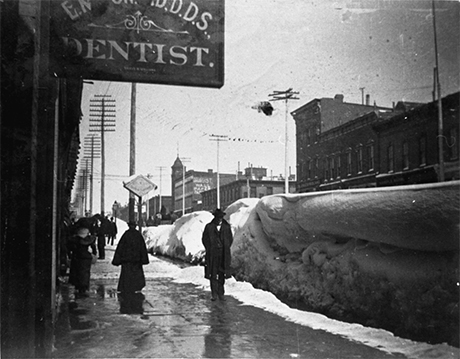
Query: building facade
x=159, y=204
x=409, y=147
x=380, y=147
x=187, y=186
x=254, y=184
x=40, y=142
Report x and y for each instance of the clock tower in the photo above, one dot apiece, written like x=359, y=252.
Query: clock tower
x=176, y=174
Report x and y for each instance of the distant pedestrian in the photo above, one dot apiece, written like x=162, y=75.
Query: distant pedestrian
x=113, y=231
x=99, y=231
x=217, y=240
x=106, y=226
x=131, y=254
x=81, y=259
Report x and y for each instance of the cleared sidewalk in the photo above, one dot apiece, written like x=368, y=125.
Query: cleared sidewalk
x=180, y=321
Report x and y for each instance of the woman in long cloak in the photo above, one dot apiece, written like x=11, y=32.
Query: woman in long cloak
x=131, y=254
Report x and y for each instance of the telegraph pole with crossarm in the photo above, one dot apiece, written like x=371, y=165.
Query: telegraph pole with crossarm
x=102, y=119
x=286, y=96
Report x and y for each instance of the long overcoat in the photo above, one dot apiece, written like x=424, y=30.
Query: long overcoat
x=218, y=257
x=131, y=254
x=80, y=262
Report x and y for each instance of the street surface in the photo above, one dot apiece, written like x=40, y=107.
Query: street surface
x=180, y=321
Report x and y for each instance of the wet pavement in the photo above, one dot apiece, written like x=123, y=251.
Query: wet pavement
x=180, y=321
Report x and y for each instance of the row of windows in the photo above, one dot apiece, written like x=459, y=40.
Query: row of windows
x=335, y=166
x=451, y=151
x=310, y=136
x=232, y=194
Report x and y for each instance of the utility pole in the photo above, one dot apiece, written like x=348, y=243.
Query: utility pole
x=91, y=150
x=81, y=190
x=132, y=149
x=440, y=120
x=159, y=190
x=249, y=176
x=218, y=139
x=85, y=183
x=147, y=200
x=285, y=95
x=102, y=119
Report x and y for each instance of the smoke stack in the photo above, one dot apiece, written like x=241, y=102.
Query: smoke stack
x=339, y=97
x=368, y=98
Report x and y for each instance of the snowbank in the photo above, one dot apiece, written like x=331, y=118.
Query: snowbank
x=385, y=258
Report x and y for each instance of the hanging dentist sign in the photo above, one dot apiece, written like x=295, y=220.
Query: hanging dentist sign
x=176, y=42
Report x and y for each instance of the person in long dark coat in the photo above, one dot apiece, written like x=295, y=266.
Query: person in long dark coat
x=81, y=259
x=113, y=231
x=100, y=229
x=217, y=240
x=131, y=254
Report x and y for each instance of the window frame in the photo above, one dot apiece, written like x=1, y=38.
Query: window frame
x=371, y=157
x=390, y=158
x=405, y=155
x=422, y=145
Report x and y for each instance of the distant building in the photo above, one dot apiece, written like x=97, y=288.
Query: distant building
x=409, y=147
x=254, y=184
x=374, y=147
x=315, y=163
x=161, y=205
x=187, y=186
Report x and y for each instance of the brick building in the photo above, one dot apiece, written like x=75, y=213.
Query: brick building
x=408, y=142
x=254, y=184
x=161, y=205
x=319, y=162
x=187, y=186
x=378, y=147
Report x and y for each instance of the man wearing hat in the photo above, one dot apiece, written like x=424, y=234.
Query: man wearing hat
x=81, y=259
x=217, y=240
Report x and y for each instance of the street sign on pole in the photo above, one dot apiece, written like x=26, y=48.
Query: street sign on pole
x=139, y=185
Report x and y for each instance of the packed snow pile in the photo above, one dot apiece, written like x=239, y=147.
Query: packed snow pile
x=385, y=257
x=181, y=240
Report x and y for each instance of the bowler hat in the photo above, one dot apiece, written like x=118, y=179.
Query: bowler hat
x=218, y=213
x=132, y=224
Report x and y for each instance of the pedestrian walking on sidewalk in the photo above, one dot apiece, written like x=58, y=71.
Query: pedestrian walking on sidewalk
x=101, y=229
x=81, y=259
x=131, y=254
x=113, y=232
x=217, y=240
